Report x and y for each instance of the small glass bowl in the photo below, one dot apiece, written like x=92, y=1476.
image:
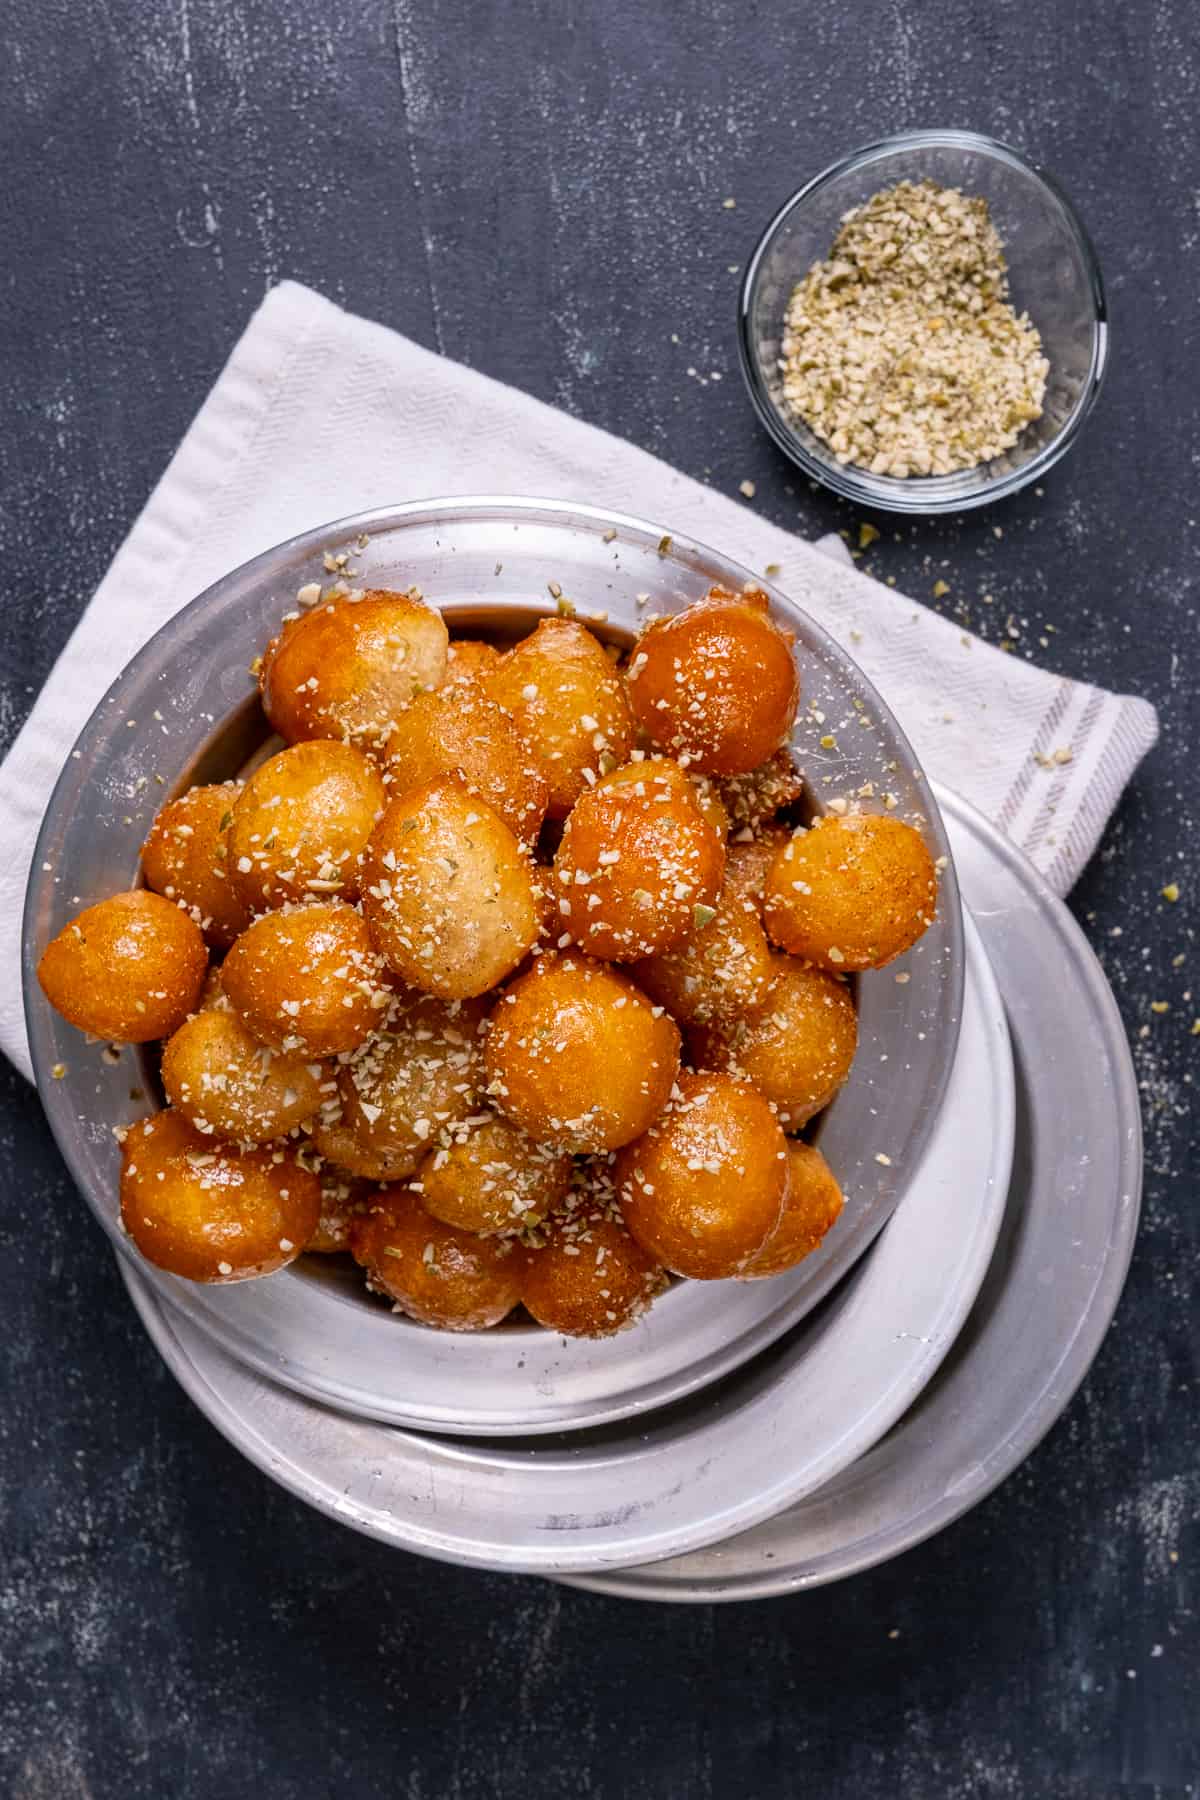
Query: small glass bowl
x=1053, y=276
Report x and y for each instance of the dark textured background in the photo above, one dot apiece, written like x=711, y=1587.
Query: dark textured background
x=537, y=189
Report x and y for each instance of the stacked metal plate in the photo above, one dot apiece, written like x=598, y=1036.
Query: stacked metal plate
x=744, y=1438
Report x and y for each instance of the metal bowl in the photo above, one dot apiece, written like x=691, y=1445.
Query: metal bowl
x=183, y=711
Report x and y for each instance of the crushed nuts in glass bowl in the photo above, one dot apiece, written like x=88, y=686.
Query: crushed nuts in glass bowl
x=1011, y=406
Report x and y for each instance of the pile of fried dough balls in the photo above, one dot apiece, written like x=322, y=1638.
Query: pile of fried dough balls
x=525, y=986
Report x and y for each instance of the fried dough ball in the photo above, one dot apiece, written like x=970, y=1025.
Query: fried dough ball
x=853, y=892
x=492, y=1176
x=718, y=970
x=344, y=1198
x=796, y=1046
x=448, y=891
x=635, y=863
x=760, y=793
x=470, y=659
x=308, y=980
x=590, y=1278
x=443, y=1277
x=814, y=1201
x=577, y=1056
x=129, y=969
x=350, y=667
x=459, y=730
x=406, y=1088
x=343, y=1141
x=301, y=823
x=186, y=858
x=704, y=1189
x=227, y=1083
x=748, y=861
x=716, y=684
x=568, y=703
x=208, y=1212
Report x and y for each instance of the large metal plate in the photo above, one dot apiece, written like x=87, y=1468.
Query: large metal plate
x=692, y=1473
x=180, y=712
x=1051, y=1291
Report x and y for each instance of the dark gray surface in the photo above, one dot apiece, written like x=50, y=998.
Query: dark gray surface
x=537, y=190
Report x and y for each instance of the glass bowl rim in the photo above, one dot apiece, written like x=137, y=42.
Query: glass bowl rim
x=920, y=496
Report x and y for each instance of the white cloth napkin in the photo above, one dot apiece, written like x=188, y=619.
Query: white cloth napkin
x=318, y=414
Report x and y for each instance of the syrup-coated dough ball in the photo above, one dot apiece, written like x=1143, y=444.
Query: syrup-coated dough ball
x=636, y=861
x=853, y=892
x=796, y=1046
x=350, y=667
x=308, y=980
x=716, y=684
x=448, y=891
x=470, y=659
x=301, y=823
x=459, y=730
x=129, y=969
x=753, y=798
x=405, y=1089
x=209, y=1212
x=719, y=969
x=346, y=1142
x=748, y=861
x=814, y=1201
x=228, y=1084
x=578, y=1056
x=569, y=705
x=186, y=858
x=589, y=1278
x=492, y=1176
x=344, y=1198
x=443, y=1277
x=704, y=1189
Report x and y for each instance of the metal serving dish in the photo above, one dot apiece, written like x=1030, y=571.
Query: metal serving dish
x=182, y=711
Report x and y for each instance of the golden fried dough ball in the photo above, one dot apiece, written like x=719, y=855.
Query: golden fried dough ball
x=814, y=1201
x=719, y=969
x=128, y=969
x=301, y=823
x=338, y=1139
x=401, y=1092
x=716, y=685
x=434, y=1273
x=635, y=863
x=459, y=730
x=853, y=892
x=222, y=1079
x=760, y=793
x=349, y=668
x=491, y=1176
x=344, y=1198
x=747, y=861
x=569, y=705
x=589, y=1278
x=308, y=980
x=470, y=659
x=578, y=1056
x=448, y=891
x=186, y=858
x=796, y=1046
x=704, y=1189
x=201, y=1209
